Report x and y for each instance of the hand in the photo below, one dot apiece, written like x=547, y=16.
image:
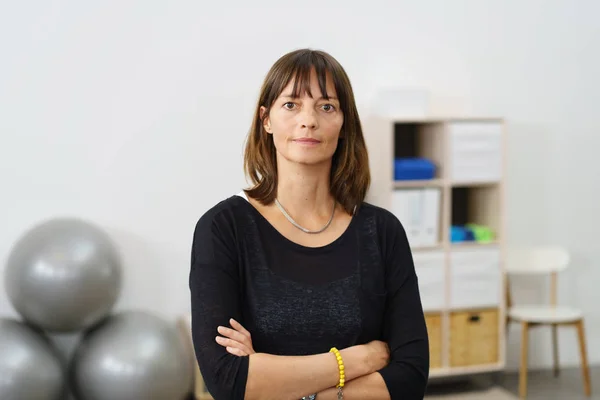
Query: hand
x=237, y=341
x=378, y=355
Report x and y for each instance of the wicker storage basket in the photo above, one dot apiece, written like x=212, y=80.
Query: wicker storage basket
x=474, y=337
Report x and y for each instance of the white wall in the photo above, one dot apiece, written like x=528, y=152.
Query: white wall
x=133, y=114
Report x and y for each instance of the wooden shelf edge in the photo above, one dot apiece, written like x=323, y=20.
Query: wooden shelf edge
x=418, y=183
x=472, y=309
x=467, y=184
x=473, y=245
x=440, y=119
x=435, y=247
x=440, y=182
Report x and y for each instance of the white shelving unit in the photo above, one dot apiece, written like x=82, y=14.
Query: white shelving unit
x=461, y=283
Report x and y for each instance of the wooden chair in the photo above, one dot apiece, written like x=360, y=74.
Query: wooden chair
x=544, y=260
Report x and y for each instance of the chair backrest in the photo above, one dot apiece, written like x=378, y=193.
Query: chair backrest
x=537, y=260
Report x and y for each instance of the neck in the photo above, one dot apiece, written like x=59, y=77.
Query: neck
x=304, y=191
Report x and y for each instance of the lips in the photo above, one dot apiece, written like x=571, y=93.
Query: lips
x=307, y=140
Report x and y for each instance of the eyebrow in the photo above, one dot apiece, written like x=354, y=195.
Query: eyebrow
x=288, y=96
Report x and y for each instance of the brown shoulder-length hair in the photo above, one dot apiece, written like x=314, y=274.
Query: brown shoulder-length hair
x=350, y=175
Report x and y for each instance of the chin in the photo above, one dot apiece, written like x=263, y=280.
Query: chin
x=308, y=157
x=314, y=161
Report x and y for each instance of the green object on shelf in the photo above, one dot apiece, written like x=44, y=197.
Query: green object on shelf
x=482, y=234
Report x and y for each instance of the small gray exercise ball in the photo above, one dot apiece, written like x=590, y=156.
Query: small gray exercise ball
x=63, y=275
x=129, y=356
x=30, y=367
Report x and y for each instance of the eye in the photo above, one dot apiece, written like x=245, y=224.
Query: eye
x=329, y=107
x=289, y=105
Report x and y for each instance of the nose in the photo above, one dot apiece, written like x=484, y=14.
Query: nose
x=308, y=119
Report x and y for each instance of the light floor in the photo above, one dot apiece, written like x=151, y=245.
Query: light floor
x=542, y=385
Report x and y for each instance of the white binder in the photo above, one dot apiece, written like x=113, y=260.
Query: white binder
x=430, y=234
x=419, y=212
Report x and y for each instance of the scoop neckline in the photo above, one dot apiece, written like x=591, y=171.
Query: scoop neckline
x=297, y=246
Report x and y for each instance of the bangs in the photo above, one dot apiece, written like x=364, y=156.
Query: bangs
x=300, y=68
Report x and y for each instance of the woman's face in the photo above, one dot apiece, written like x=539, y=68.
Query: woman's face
x=305, y=129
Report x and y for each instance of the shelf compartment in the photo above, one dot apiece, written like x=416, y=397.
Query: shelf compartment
x=420, y=212
x=475, y=214
x=434, y=331
x=420, y=140
x=475, y=278
x=474, y=337
x=430, y=267
x=475, y=151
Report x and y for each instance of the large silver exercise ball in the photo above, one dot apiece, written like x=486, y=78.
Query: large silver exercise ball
x=30, y=367
x=131, y=355
x=63, y=275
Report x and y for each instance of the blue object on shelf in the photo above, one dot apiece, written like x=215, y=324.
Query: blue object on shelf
x=457, y=234
x=469, y=234
x=413, y=168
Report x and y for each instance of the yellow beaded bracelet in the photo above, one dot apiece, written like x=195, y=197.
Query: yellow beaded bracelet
x=340, y=362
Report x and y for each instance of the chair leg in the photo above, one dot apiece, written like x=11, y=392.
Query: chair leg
x=524, y=354
x=555, y=349
x=584, y=362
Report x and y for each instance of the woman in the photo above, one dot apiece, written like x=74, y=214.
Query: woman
x=299, y=288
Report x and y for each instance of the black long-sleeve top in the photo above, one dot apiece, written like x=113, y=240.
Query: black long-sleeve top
x=298, y=300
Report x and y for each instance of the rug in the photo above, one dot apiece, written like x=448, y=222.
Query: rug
x=490, y=394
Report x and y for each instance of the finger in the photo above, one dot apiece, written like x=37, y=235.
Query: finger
x=240, y=350
x=238, y=327
x=236, y=351
x=233, y=334
x=225, y=342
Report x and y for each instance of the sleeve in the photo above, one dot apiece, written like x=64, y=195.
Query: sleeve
x=215, y=298
x=405, y=331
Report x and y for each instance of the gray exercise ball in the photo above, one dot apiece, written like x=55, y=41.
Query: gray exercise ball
x=30, y=367
x=131, y=355
x=63, y=275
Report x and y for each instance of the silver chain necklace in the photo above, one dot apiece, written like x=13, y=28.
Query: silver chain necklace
x=303, y=229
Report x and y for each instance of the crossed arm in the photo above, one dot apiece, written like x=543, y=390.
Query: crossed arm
x=361, y=362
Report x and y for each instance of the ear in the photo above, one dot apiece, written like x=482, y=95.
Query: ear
x=266, y=120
